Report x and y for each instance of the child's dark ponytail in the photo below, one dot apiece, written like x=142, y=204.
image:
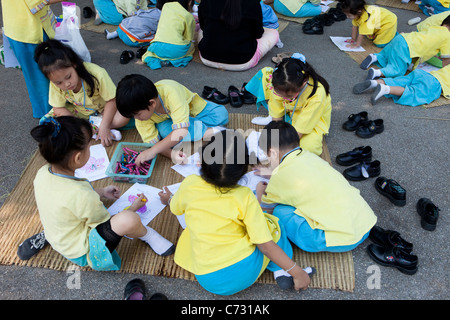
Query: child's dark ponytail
x=225, y=160
x=58, y=137
x=53, y=55
x=352, y=6
x=290, y=74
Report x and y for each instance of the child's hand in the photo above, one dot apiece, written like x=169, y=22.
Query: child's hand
x=301, y=279
x=111, y=192
x=179, y=157
x=139, y=202
x=165, y=196
x=261, y=189
x=144, y=156
x=105, y=135
x=349, y=41
x=353, y=45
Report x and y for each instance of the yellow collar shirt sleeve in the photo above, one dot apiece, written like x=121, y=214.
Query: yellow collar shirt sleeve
x=221, y=229
x=25, y=20
x=322, y=196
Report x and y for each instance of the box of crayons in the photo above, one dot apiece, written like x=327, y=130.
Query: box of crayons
x=122, y=167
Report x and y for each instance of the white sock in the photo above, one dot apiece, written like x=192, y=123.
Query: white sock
x=111, y=35
x=158, y=243
x=217, y=129
x=280, y=44
x=380, y=91
x=373, y=73
x=262, y=121
x=280, y=273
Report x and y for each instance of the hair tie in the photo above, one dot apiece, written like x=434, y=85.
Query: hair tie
x=299, y=56
x=56, y=125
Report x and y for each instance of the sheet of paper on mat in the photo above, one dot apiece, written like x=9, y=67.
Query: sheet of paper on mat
x=95, y=168
x=173, y=188
x=190, y=167
x=149, y=211
x=342, y=45
x=426, y=67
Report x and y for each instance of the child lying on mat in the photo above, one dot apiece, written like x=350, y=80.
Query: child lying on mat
x=376, y=23
x=75, y=221
x=228, y=240
x=166, y=113
x=407, y=48
x=297, y=94
x=417, y=88
x=318, y=207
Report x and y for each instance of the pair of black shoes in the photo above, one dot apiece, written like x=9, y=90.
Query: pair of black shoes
x=315, y=25
x=363, y=127
x=135, y=290
x=391, y=250
x=235, y=97
x=365, y=169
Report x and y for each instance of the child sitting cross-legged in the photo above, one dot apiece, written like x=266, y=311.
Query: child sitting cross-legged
x=166, y=112
x=75, y=220
x=320, y=210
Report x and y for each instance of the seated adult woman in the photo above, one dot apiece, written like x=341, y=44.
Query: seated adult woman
x=232, y=36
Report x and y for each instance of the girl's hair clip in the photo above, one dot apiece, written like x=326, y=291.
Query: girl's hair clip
x=56, y=125
x=299, y=56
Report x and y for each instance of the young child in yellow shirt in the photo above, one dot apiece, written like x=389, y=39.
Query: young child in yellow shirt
x=296, y=93
x=75, y=221
x=228, y=240
x=166, y=112
x=374, y=22
x=320, y=210
x=80, y=89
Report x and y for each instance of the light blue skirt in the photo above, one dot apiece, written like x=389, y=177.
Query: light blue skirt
x=307, y=10
x=211, y=116
x=303, y=236
x=394, y=59
x=243, y=274
x=420, y=88
x=36, y=82
x=175, y=54
x=102, y=259
x=108, y=12
x=255, y=87
x=438, y=7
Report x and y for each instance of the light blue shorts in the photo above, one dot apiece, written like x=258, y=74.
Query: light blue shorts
x=211, y=116
x=303, y=236
x=175, y=54
x=243, y=274
x=394, y=59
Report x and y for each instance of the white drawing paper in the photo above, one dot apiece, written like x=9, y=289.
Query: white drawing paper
x=342, y=45
x=149, y=211
x=95, y=168
x=250, y=179
x=191, y=167
x=174, y=188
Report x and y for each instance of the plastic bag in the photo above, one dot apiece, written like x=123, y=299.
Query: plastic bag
x=68, y=32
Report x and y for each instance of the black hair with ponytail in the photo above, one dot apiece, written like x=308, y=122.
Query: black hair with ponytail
x=61, y=136
x=291, y=73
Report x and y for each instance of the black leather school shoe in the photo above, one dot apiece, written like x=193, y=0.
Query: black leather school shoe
x=363, y=171
x=358, y=154
x=392, y=190
x=428, y=213
x=355, y=120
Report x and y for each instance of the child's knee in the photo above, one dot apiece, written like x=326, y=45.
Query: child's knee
x=125, y=222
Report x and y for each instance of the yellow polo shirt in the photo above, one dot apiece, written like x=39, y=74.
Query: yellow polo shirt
x=311, y=113
x=221, y=229
x=322, y=196
x=380, y=26
x=426, y=44
x=79, y=103
x=69, y=209
x=25, y=20
x=443, y=76
x=178, y=102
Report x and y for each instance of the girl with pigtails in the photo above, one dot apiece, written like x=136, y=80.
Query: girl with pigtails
x=294, y=92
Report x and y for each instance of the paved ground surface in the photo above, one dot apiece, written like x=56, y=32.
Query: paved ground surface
x=413, y=149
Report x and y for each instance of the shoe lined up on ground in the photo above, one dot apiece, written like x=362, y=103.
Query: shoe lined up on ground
x=355, y=121
x=359, y=154
x=235, y=97
x=428, y=212
x=126, y=56
x=392, y=190
x=391, y=250
x=315, y=25
x=363, y=171
x=370, y=128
